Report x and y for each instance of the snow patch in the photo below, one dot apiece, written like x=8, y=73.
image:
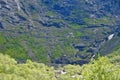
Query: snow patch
x=110, y=36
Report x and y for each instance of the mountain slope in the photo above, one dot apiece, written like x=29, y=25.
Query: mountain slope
x=62, y=31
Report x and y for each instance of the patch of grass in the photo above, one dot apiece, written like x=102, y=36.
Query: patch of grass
x=50, y=13
x=98, y=21
x=57, y=52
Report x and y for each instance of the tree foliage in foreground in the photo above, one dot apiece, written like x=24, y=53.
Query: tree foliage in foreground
x=10, y=70
x=100, y=69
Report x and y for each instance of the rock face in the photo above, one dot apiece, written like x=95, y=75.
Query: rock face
x=1, y=26
x=45, y=26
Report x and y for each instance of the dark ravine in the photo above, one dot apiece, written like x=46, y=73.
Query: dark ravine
x=61, y=31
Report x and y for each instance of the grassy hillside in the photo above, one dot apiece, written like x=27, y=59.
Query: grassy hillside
x=115, y=56
x=100, y=69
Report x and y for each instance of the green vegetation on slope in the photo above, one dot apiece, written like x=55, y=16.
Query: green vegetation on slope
x=98, y=21
x=12, y=47
x=100, y=69
x=115, y=56
x=25, y=46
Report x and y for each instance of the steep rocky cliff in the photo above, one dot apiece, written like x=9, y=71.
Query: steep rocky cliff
x=59, y=31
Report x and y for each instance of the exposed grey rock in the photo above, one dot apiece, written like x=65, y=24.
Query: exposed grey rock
x=1, y=26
